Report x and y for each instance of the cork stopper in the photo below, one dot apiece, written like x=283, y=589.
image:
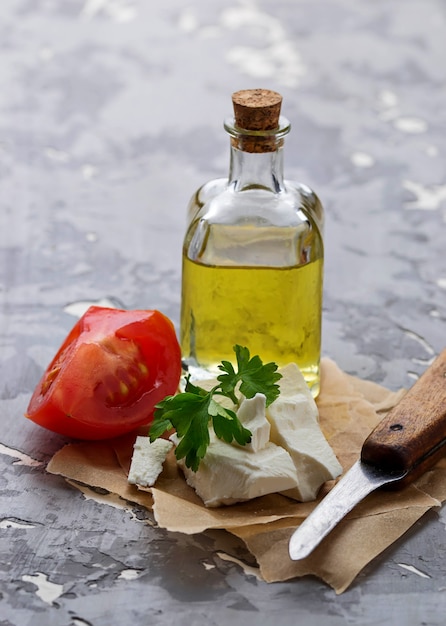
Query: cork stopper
x=257, y=110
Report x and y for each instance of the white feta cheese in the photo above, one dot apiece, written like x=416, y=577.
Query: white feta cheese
x=147, y=460
x=293, y=384
x=288, y=452
x=294, y=428
x=251, y=414
x=229, y=474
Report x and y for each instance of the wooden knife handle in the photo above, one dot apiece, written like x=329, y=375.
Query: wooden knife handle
x=412, y=436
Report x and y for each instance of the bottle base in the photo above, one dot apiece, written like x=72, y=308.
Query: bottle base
x=197, y=372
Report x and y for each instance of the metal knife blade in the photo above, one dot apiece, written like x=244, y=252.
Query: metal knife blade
x=360, y=480
x=410, y=439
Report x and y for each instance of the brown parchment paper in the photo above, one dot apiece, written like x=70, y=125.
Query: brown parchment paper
x=349, y=409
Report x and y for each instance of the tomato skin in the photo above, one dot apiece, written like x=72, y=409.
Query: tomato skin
x=108, y=374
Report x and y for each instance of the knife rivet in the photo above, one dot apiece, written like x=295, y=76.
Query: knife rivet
x=396, y=427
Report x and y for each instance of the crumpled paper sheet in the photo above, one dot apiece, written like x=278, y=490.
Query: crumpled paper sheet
x=349, y=409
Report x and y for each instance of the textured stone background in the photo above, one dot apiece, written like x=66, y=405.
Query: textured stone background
x=110, y=116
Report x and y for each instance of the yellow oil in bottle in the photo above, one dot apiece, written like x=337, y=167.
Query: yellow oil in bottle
x=274, y=311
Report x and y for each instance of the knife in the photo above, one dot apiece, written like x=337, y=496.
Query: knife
x=410, y=439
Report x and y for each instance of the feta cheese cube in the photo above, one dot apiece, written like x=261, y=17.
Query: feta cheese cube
x=294, y=428
x=229, y=474
x=251, y=414
x=147, y=460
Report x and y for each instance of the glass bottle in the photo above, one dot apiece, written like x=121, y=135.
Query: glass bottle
x=253, y=253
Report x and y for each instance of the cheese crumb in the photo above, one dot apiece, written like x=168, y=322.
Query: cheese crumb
x=147, y=461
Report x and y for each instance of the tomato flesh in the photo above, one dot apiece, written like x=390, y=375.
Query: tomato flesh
x=108, y=374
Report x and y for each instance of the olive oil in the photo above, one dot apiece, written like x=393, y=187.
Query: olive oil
x=253, y=253
x=275, y=311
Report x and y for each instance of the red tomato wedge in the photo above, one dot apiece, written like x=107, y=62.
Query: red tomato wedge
x=108, y=374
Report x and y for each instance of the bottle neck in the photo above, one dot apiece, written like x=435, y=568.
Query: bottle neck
x=256, y=170
x=257, y=157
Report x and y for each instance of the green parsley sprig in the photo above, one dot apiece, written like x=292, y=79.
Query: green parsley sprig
x=190, y=412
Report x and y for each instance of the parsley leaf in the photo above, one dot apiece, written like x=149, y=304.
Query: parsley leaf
x=253, y=375
x=190, y=412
